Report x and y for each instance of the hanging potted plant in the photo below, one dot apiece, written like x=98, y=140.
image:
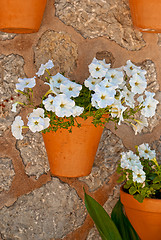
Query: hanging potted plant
x=146, y=15
x=17, y=16
x=71, y=115
x=141, y=192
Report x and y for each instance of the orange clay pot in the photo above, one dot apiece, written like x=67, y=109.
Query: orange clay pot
x=146, y=15
x=145, y=217
x=21, y=16
x=72, y=154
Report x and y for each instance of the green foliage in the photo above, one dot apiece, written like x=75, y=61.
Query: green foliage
x=99, y=116
x=122, y=223
x=150, y=188
x=117, y=227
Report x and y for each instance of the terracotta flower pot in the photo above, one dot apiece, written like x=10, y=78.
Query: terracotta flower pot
x=72, y=154
x=146, y=15
x=18, y=16
x=145, y=217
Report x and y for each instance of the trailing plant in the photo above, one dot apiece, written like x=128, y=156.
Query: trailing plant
x=108, y=94
x=140, y=173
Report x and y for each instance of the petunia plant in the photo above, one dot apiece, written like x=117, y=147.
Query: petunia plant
x=108, y=94
x=140, y=173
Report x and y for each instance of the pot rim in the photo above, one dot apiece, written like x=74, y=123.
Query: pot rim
x=148, y=204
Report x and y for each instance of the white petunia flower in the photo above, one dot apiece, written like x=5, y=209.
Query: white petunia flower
x=16, y=128
x=77, y=111
x=141, y=123
x=107, y=83
x=115, y=77
x=70, y=89
x=139, y=176
x=57, y=80
x=14, y=105
x=117, y=109
x=102, y=62
x=43, y=67
x=129, y=160
x=39, y=112
x=97, y=70
x=130, y=68
x=134, y=165
x=149, y=104
x=46, y=122
x=36, y=124
x=120, y=114
x=91, y=82
x=145, y=151
x=140, y=72
x=103, y=96
x=49, y=103
x=129, y=97
x=63, y=105
x=25, y=83
x=140, y=99
x=138, y=84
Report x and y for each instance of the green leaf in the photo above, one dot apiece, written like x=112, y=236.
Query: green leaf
x=139, y=197
x=132, y=190
x=122, y=223
x=103, y=222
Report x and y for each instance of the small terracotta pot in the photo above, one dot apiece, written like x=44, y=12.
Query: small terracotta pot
x=18, y=16
x=72, y=154
x=146, y=15
x=145, y=217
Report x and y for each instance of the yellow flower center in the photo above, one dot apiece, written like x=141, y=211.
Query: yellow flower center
x=59, y=80
x=62, y=105
x=102, y=97
x=97, y=69
x=70, y=88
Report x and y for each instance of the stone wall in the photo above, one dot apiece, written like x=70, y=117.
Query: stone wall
x=33, y=204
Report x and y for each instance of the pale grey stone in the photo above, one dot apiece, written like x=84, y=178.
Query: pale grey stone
x=94, y=234
x=151, y=75
x=96, y=18
x=6, y=36
x=112, y=200
x=33, y=154
x=6, y=174
x=156, y=145
x=108, y=154
x=159, y=39
x=58, y=47
x=11, y=68
x=50, y=212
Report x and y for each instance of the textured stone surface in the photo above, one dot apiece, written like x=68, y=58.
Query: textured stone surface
x=95, y=18
x=151, y=76
x=60, y=48
x=106, y=159
x=156, y=145
x=6, y=36
x=159, y=39
x=6, y=173
x=109, y=58
x=11, y=67
x=49, y=212
x=33, y=154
